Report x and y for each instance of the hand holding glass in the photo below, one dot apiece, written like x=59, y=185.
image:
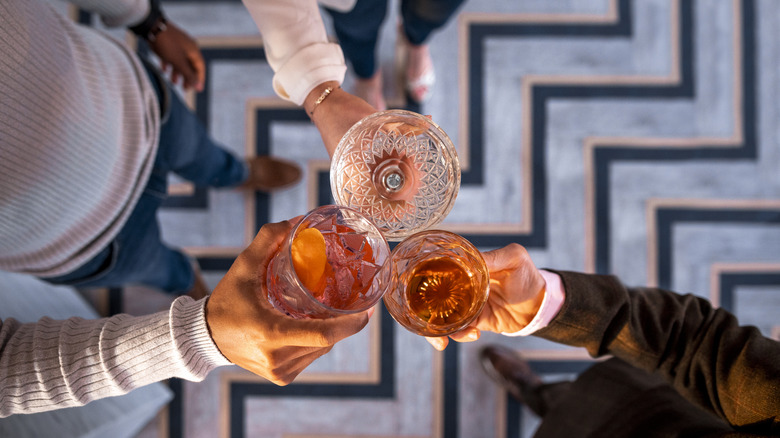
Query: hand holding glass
x=441, y=283
x=333, y=262
x=399, y=168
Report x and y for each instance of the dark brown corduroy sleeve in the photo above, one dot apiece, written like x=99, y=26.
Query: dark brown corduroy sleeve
x=703, y=352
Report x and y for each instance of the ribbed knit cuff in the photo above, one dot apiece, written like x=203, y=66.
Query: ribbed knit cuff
x=190, y=333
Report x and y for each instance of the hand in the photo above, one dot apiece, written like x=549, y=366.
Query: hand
x=255, y=336
x=336, y=114
x=180, y=56
x=516, y=293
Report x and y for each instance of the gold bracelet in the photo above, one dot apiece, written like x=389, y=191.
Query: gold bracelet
x=319, y=100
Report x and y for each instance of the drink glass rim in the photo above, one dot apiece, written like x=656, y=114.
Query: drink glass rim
x=287, y=247
x=433, y=130
x=395, y=288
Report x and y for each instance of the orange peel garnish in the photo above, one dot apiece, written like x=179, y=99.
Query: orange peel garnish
x=309, y=257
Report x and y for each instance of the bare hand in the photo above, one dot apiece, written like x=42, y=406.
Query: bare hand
x=516, y=293
x=180, y=57
x=255, y=336
x=336, y=114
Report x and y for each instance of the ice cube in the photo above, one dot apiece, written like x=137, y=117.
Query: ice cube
x=355, y=242
x=345, y=281
x=365, y=273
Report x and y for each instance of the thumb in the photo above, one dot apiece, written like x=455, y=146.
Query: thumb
x=198, y=66
x=336, y=329
x=509, y=257
x=187, y=72
x=439, y=343
x=492, y=259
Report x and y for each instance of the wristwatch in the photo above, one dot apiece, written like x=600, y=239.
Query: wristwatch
x=153, y=24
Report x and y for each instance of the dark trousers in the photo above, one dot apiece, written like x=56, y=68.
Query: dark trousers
x=358, y=29
x=614, y=399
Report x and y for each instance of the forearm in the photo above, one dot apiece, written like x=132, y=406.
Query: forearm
x=55, y=364
x=296, y=46
x=730, y=370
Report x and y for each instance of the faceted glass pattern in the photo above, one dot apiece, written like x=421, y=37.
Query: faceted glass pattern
x=441, y=283
x=358, y=257
x=398, y=168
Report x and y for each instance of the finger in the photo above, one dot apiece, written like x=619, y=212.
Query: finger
x=509, y=256
x=189, y=80
x=252, y=263
x=304, y=361
x=439, y=343
x=469, y=334
x=336, y=329
x=283, y=358
x=269, y=238
x=199, y=68
x=319, y=332
x=286, y=376
x=491, y=259
x=188, y=74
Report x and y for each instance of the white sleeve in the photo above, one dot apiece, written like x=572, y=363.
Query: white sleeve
x=297, y=46
x=554, y=295
x=55, y=364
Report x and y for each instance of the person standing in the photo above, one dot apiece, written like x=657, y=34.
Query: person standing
x=357, y=24
x=680, y=367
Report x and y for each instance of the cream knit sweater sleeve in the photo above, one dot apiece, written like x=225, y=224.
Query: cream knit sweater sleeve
x=55, y=364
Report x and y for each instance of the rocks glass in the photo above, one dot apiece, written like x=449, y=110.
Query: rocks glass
x=441, y=283
x=334, y=261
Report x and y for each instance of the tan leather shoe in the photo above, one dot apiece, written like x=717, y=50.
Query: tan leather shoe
x=267, y=174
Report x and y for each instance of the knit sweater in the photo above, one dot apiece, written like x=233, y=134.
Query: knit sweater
x=79, y=120
x=79, y=125
x=56, y=364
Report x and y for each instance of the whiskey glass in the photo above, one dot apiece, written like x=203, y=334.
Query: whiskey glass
x=351, y=259
x=400, y=169
x=441, y=283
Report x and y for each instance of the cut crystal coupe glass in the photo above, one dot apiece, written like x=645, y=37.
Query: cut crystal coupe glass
x=400, y=169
